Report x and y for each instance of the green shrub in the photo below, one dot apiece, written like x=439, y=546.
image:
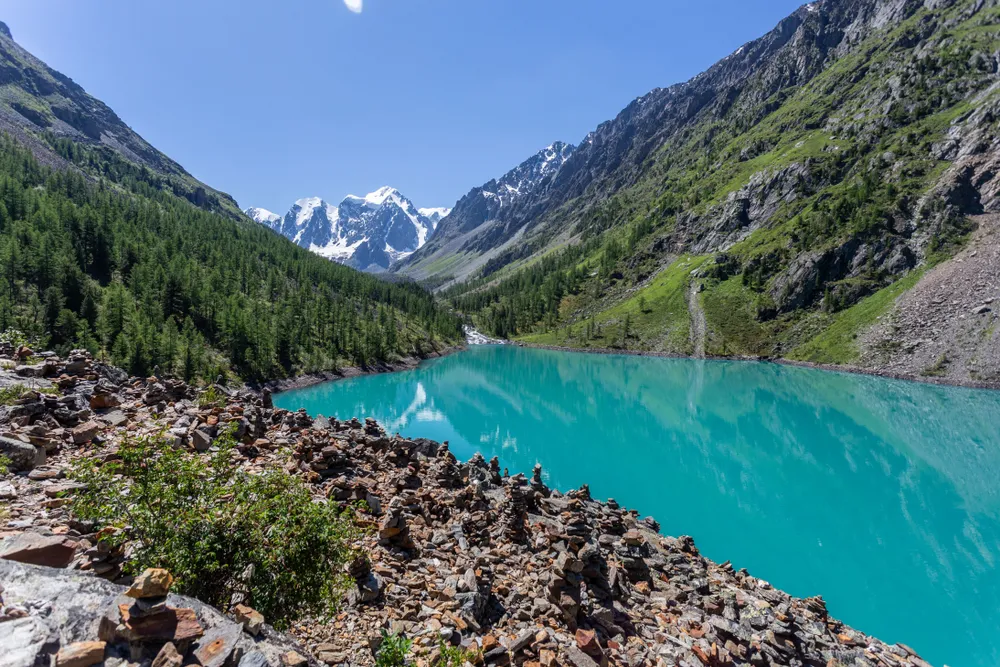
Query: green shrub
x=393, y=650
x=4, y=465
x=453, y=656
x=212, y=398
x=226, y=535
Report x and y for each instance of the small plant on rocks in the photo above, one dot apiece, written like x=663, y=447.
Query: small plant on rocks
x=10, y=394
x=227, y=536
x=453, y=656
x=212, y=398
x=393, y=651
x=4, y=465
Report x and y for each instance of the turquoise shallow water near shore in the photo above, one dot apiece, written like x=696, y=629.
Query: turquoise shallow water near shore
x=881, y=495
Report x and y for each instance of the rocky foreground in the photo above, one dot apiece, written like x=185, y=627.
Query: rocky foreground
x=460, y=553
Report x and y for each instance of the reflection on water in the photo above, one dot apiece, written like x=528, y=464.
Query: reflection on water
x=880, y=495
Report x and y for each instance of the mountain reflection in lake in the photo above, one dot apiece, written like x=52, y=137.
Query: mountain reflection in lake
x=880, y=495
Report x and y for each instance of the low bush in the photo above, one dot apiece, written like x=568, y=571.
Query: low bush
x=212, y=398
x=454, y=656
x=393, y=651
x=227, y=536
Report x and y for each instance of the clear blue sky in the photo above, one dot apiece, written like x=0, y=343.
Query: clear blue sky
x=274, y=100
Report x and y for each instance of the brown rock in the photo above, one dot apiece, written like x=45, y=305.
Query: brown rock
x=173, y=625
x=633, y=538
x=104, y=401
x=153, y=583
x=587, y=642
x=251, y=619
x=35, y=549
x=700, y=652
x=168, y=657
x=293, y=659
x=84, y=433
x=547, y=657
x=80, y=654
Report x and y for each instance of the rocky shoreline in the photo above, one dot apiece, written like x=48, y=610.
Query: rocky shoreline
x=311, y=379
x=459, y=553
x=947, y=381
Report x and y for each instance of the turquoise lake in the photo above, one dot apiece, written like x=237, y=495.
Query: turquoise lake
x=882, y=496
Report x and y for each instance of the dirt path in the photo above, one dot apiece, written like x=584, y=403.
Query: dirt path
x=946, y=325
x=697, y=320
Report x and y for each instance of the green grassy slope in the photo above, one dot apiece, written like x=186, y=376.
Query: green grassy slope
x=806, y=220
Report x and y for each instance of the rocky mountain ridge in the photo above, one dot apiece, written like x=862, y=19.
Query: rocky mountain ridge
x=478, y=219
x=41, y=108
x=803, y=174
x=370, y=233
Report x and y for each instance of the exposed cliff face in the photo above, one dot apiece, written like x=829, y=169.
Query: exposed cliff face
x=813, y=167
x=486, y=218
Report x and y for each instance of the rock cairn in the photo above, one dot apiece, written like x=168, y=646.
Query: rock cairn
x=460, y=553
x=66, y=619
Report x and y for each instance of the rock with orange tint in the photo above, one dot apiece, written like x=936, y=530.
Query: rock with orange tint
x=153, y=583
x=81, y=654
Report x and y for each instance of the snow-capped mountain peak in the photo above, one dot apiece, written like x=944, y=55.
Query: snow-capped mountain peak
x=263, y=216
x=370, y=232
x=435, y=215
x=383, y=194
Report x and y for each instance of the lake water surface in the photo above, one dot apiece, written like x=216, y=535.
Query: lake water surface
x=883, y=496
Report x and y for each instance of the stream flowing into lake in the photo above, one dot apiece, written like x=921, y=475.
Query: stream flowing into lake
x=882, y=496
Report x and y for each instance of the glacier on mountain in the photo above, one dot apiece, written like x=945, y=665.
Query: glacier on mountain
x=371, y=233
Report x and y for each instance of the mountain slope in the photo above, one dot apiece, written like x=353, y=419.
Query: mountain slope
x=40, y=106
x=480, y=224
x=812, y=168
x=370, y=233
x=106, y=244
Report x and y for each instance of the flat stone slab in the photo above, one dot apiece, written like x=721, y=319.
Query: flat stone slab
x=36, y=549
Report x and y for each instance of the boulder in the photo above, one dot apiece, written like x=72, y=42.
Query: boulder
x=23, y=456
x=27, y=641
x=78, y=603
x=220, y=646
x=86, y=432
x=36, y=549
